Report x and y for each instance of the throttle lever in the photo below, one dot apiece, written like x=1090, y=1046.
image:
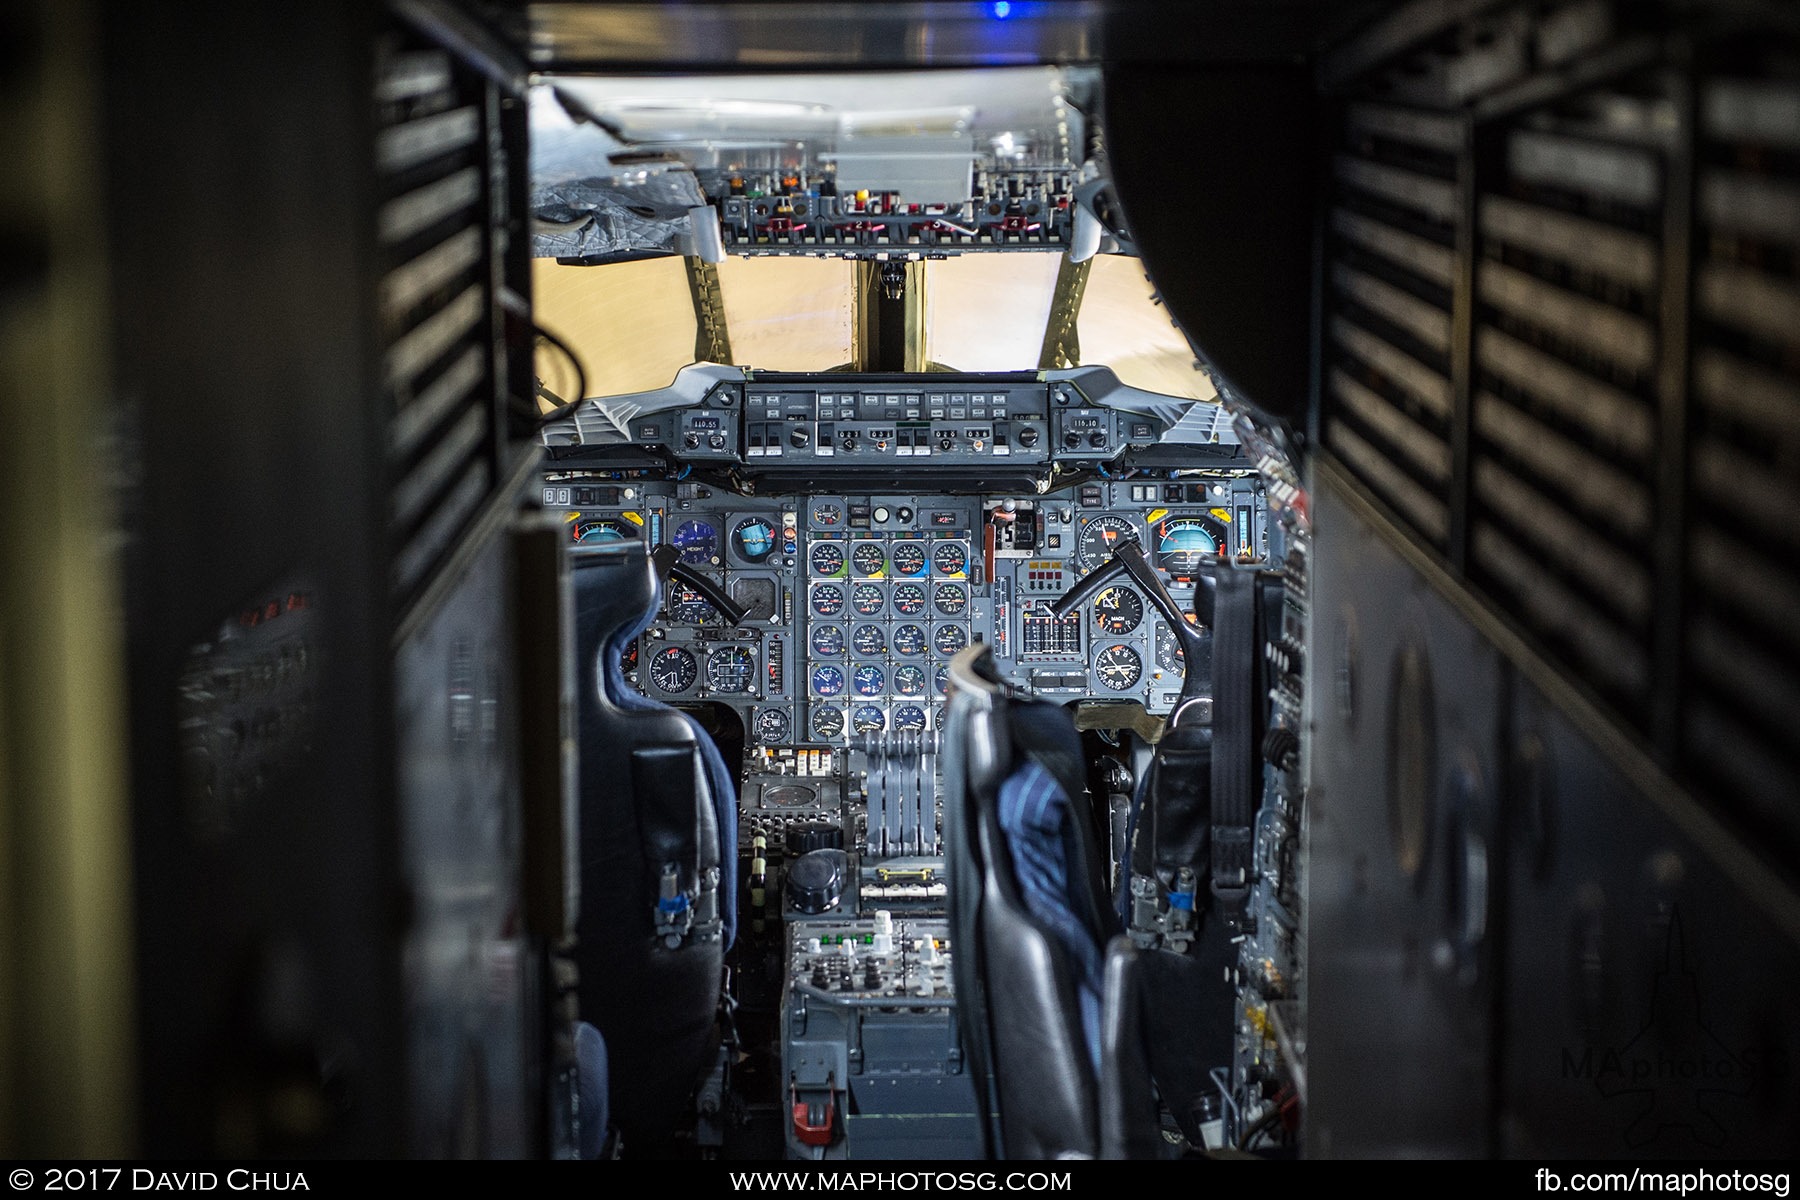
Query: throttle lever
x=667, y=560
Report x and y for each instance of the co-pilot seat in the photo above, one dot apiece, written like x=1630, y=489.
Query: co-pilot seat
x=658, y=813
x=1050, y=1003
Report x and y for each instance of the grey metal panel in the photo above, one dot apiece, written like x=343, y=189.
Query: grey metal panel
x=1399, y=992
x=1648, y=1008
x=471, y=975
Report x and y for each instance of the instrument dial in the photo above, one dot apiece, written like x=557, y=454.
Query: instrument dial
x=1099, y=537
x=909, y=717
x=949, y=639
x=868, y=558
x=730, y=669
x=773, y=726
x=1183, y=544
x=907, y=558
x=868, y=718
x=866, y=598
x=827, y=558
x=827, y=640
x=1169, y=655
x=940, y=680
x=869, y=680
x=698, y=543
x=688, y=606
x=673, y=669
x=827, y=723
x=603, y=529
x=1118, y=667
x=909, y=640
x=827, y=599
x=950, y=598
x=828, y=515
x=909, y=599
x=869, y=640
x=1118, y=610
x=828, y=680
x=754, y=539
x=909, y=680
x=950, y=559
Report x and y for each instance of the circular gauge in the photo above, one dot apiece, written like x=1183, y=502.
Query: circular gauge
x=948, y=639
x=754, y=539
x=1183, y=544
x=1168, y=650
x=869, y=639
x=730, y=669
x=827, y=680
x=868, y=718
x=907, y=558
x=937, y=714
x=1118, y=667
x=827, y=558
x=628, y=657
x=909, y=717
x=827, y=599
x=673, y=669
x=909, y=640
x=909, y=599
x=1099, y=537
x=868, y=680
x=1118, y=610
x=868, y=558
x=827, y=723
x=688, y=606
x=910, y=680
x=941, y=681
x=827, y=640
x=698, y=542
x=772, y=726
x=950, y=598
x=828, y=515
x=866, y=598
x=950, y=558
x=603, y=529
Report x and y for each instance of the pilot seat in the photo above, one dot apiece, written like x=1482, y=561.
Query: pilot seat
x=658, y=835
x=1048, y=994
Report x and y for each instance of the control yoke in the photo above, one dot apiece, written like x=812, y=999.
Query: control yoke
x=667, y=560
x=1128, y=558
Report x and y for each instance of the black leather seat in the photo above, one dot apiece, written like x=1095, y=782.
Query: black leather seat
x=1049, y=1001
x=658, y=811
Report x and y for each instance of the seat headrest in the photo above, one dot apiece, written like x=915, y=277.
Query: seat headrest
x=617, y=581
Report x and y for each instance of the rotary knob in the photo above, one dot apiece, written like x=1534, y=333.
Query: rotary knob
x=1029, y=437
x=799, y=437
x=815, y=883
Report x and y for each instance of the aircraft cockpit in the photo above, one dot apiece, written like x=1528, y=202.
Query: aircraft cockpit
x=863, y=373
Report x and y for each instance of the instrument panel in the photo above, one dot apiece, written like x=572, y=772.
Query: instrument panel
x=857, y=602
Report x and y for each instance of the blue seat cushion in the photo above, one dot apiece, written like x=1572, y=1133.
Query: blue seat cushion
x=590, y=1089
x=1034, y=814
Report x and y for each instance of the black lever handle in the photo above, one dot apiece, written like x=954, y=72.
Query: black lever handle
x=667, y=560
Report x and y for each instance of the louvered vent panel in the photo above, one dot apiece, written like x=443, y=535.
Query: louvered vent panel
x=1742, y=707
x=1390, y=274
x=436, y=297
x=1564, y=376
